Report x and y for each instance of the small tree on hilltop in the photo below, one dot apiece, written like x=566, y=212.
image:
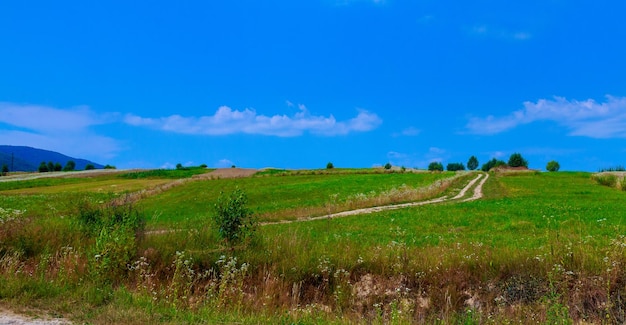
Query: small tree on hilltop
x=70, y=166
x=330, y=165
x=455, y=167
x=5, y=169
x=493, y=163
x=50, y=166
x=435, y=166
x=553, y=166
x=90, y=167
x=516, y=160
x=388, y=166
x=235, y=222
x=472, y=163
x=43, y=167
x=58, y=167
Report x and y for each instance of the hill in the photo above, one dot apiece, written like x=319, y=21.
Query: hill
x=27, y=159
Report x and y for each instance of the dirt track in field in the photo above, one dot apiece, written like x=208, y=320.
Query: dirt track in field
x=478, y=193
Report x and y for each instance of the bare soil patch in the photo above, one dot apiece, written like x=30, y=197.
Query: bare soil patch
x=9, y=317
x=227, y=173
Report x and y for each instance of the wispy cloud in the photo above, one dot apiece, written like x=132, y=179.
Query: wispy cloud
x=227, y=121
x=499, y=33
x=65, y=130
x=408, y=132
x=419, y=160
x=350, y=2
x=583, y=118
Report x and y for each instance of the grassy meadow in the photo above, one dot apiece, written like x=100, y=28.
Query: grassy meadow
x=538, y=248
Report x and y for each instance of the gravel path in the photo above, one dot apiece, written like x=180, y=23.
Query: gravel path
x=10, y=318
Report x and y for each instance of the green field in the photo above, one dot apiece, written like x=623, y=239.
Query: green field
x=537, y=248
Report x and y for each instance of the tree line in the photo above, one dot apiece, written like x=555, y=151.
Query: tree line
x=515, y=160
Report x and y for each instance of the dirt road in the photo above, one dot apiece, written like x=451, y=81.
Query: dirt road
x=478, y=193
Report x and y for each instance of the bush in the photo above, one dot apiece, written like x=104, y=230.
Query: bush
x=435, y=166
x=235, y=222
x=110, y=167
x=43, y=167
x=493, y=163
x=516, y=160
x=90, y=167
x=330, y=165
x=5, y=169
x=553, y=166
x=472, y=163
x=70, y=166
x=455, y=167
x=58, y=167
x=387, y=166
x=606, y=180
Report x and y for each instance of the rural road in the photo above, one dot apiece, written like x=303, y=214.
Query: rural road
x=478, y=193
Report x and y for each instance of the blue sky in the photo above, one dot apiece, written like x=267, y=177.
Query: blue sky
x=296, y=84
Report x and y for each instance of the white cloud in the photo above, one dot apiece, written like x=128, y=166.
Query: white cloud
x=224, y=163
x=43, y=118
x=63, y=130
x=411, y=132
x=583, y=118
x=419, y=160
x=499, y=33
x=227, y=121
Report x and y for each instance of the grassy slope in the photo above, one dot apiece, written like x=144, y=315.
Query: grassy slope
x=526, y=224
x=276, y=196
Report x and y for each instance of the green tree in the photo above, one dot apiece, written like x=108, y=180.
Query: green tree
x=179, y=166
x=69, y=166
x=553, y=166
x=435, y=166
x=472, y=163
x=90, y=167
x=516, y=160
x=330, y=165
x=43, y=167
x=58, y=167
x=50, y=166
x=493, y=163
x=235, y=221
x=455, y=166
x=109, y=167
x=388, y=166
x=5, y=169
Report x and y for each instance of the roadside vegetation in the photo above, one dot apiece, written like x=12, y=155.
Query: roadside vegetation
x=538, y=248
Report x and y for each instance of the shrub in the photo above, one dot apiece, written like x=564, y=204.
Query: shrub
x=70, y=166
x=455, y=166
x=109, y=167
x=235, y=222
x=388, y=166
x=43, y=167
x=330, y=165
x=5, y=169
x=606, y=180
x=58, y=167
x=50, y=166
x=435, y=166
x=493, y=163
x=612, y=169
x=553, y=166
x=472, y=163
x=90, y=167
x=516, y=160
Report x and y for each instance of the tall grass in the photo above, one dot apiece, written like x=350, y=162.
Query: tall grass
x=539, y=248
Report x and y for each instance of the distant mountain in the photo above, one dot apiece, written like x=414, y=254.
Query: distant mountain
x=27, y=159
